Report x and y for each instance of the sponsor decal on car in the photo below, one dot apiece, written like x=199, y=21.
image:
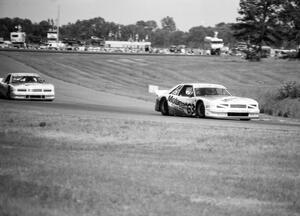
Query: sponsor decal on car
x=187, y=108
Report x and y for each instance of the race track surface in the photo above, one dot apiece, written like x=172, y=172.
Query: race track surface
x=72, y=98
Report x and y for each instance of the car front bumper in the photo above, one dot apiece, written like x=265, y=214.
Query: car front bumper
x=233, y=114
x=36, y=96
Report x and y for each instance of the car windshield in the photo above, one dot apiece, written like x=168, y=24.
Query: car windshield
x=26, y=79
x=211, y=91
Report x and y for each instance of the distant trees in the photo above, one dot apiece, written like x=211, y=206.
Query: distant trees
x=168, y=24
x=261, y=22
x=290, y=17
x=83, y=30
x=258, y=23
x=197, y=34
x=268, y=22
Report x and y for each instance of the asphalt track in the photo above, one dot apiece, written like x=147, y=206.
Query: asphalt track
x=73, y=99
x=137, y=113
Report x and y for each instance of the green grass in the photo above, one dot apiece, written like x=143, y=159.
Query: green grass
x=130, y=75
x=125, y=74
x=87, y=164
x=56, y=163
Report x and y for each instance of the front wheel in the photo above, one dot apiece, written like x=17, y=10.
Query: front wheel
x=164, y=109
x=8, y=94
x=200, y=109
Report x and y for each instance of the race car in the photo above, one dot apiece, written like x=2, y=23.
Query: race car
x=26, y=86
x=205, y=100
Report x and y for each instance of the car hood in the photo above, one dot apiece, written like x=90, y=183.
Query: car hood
x=228, y=99
x=32, y=85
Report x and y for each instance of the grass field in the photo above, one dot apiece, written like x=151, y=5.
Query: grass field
x=90, y=164
x=130, y=75
x=65, y=162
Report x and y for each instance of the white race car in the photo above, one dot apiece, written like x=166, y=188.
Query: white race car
x=28, y=86
x=205, y=100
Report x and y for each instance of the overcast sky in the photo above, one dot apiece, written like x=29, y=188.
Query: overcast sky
x=186, y=13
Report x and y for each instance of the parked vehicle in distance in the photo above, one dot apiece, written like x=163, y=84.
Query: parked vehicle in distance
x=205, y=100
x=26, y=86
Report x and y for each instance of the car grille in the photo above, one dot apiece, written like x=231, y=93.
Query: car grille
x=35, y=96
x=36, y=90
x=47, y=90
x=238, y=106
x=238, y=114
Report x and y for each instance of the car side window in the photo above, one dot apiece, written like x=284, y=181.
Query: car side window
x=176, y=90
x=187, y=91
x=7, y=79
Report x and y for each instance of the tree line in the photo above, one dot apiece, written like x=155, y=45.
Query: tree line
x=83, y=30
x=260, y=22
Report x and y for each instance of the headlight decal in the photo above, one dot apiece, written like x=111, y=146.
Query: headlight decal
x=252, y=106
x=222, y=106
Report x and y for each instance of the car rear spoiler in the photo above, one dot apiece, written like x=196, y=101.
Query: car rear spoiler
x=153, y=89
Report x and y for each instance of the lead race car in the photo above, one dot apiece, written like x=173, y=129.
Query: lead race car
x=204, y=100
x=28, y=86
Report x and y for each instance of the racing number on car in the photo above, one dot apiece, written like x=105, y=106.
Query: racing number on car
x=190, y=109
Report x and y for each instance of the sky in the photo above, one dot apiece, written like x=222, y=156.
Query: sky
x=186, y=13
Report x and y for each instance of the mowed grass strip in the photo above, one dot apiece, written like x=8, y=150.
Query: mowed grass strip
x=66, y=164
x=130, y=75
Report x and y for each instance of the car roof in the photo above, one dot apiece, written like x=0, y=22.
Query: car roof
x=25, y=74
x=204, y=85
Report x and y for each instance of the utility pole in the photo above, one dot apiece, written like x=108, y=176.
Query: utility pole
x=57, y=22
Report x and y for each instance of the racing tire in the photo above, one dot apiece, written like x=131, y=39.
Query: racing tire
x=8, y=96
x=164, y=108
x=200, y=109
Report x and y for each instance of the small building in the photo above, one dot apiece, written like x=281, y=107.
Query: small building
x=128, y=45
x=52, y=36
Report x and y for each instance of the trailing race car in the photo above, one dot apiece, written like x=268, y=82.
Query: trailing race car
x=205, y=100
x=28, y=86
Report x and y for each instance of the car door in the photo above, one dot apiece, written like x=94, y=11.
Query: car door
x=182, y=101
x=4, y=85
x=172, y=101
x=187, y=97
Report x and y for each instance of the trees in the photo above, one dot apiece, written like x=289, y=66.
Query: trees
x=259, y=23
x=290, y=17
x=226, y=33
x=168, y=24
x=197, y=34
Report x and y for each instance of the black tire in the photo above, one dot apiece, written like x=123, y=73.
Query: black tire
x=164, y=108
x=200, y=109
x=245, y=119
x=8, y=96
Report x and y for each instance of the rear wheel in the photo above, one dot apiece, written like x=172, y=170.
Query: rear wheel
x=164, y=109
x=200, y=109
